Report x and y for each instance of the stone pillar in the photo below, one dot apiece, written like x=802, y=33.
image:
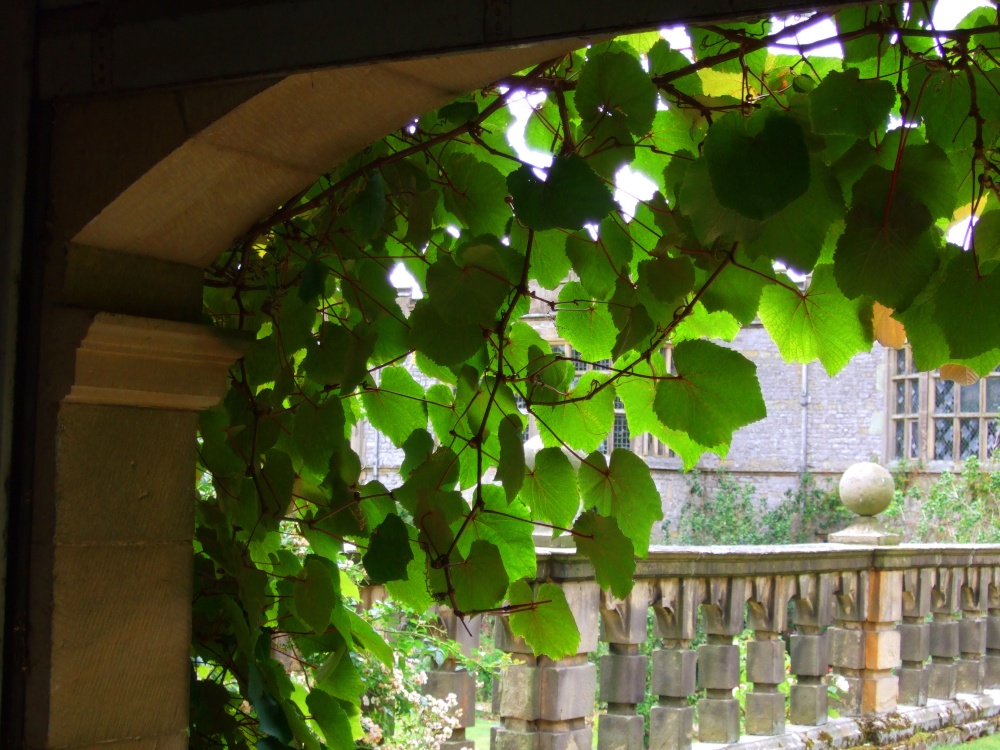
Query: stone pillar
x=719, y=661
x=992, y=679
x=864, y=645
x=809, y=650
x=915, y=636
x=623, y=670
x=675, y=606
x=944, y=634
x=972, y=632
x=544, y=703
x=768, y=608
x=452, y=678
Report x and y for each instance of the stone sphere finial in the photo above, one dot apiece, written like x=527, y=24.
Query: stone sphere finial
x=867, y=488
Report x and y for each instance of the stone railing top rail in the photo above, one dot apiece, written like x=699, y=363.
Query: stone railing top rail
x=560, y=564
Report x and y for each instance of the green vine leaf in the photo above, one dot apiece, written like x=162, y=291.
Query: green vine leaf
x=570, y=196
x=389, y=551
x=546, y=622
x=609, y=551
x=623, y=490
x=550, y=488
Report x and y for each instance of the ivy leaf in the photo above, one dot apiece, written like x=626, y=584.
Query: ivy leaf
x=757, y=165
x=550, y=488
x=510, y=469
x=966, y=306
x=388, y=551
x=396, y=408
x=887, y=254
x=331, y=717
x=314, y=594
x=818, y=323
x=585, y=322
x=625, y=491
x=480, y=580
x=571, y=195
x=476, y=195
x=609, y=551
x=546, y=623
x=715, y=392
x=614, y=85
x=844, y=105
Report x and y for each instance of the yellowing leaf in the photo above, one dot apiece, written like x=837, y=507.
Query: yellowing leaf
x=959, y=373
x=889, y=332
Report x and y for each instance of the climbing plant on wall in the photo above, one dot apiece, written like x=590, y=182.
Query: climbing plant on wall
x=769, y=162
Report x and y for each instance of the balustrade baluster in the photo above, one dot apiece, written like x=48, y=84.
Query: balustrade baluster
x=543, y=703
x=623, y=670
x=847, y=638
x=972, y=631
x=453, y=678
x=809, y=650
x=915, y=636
x=945, y=603
x=719, y=660
x=768, y=610
x=675, y=606
x=992, y=679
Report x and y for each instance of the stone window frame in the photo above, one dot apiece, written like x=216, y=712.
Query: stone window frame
x=920, y=406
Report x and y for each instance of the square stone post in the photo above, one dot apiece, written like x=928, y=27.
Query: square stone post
x=972, y=632
x=768, y=610
x=675, y=605
x=944, y=645
x=915, y=636
x=544, y=703
x=992, y=679
x=719, y=660
x=452, y=678
x=623, y=670
x=809, y=650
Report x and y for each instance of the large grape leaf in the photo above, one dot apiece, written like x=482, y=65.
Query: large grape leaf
x=317, y=433
x=570, y=196
x=396, y=407
x=314, y=594
x=888, y=250
x=509, y=527
x=472, y=292
x=817, y=323
x=758, y=165
x=613, y=85
x=585, y=322
x=966, y=307
x=444, y=341
x=389, y=551
x=715, y=392
x=550, y=488
x=624, y=490
x=331, y=717
x=543, y=619
x=511, y=467
x=476, y=195
x=583, y=419
x=610, y=552
x=844, y=105
x=480, y=580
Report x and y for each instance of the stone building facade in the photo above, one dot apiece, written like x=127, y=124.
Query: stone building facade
x=876, y=409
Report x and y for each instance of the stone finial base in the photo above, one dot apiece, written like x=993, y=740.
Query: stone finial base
x=867, y=530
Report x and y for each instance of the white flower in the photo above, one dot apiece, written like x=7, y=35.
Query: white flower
x=841, y=682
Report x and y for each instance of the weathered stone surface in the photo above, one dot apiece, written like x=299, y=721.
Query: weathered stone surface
x=574, y=739
x=993, y=632
x=847, y=648
x=462, y=684
x=885, y=596
x=992, y=677
x=808, y=705
x=719, y=666
x=674, y=672
x=810, y=654
x=566, y=692
x=878, y=695
x=623, y=678
x=913, y=686
x=944, y=638
x=505, y=739
x=971, y=675
x=914, y=641
x=972, y=635
x=625, y=621
x=866, y=488
x=766, y=662
x=943, y=680
x=584, y=600
x=616, y=732
x=765, y=713
x=718, y=720
x=881, y=649
x=515, y=693
x=671, y=727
